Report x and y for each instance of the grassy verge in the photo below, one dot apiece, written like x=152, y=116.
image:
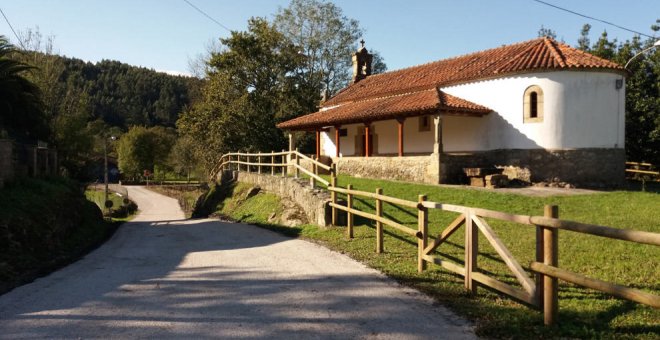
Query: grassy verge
x=583, y=313
x=187, y=195
x=45, y=224
x=120, y=211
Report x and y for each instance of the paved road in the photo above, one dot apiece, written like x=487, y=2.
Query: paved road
x=161, y=276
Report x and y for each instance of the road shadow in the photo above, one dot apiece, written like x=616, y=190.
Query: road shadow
x=204, y=278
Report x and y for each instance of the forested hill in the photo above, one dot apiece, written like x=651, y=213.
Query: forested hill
x=124, y=95
x=119, y=94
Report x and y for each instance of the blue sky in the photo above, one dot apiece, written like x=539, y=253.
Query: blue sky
x=165, y=34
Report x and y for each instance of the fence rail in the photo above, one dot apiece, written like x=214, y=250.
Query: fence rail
x=286, y=159
x=539, y=291
x=642, y=171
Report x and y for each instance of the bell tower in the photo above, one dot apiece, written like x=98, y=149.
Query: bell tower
x=361, y=63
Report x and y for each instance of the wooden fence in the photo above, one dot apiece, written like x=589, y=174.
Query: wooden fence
x=642, y=171
x=275, y=162
x=539, y=291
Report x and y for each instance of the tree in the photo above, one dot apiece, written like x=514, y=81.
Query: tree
x=21, y=107
x=583, y=41
x=142, y=149
x=326, y=38
x=252, y=85
x=547, y=32
x=182, y=157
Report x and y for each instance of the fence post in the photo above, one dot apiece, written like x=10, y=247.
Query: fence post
x=297, y=164
x=423, y=228
x=550, y=258
x=312, y=180
x=333, y=198
x=471, y=251
x=333, y=170
x=284, y=164
x=248, y=163
x=349, y=215
x=539, y=258
x=272, y=163
x=259, y=163
x=379, y=225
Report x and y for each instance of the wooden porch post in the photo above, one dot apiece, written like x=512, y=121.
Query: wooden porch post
x=292, y=141
x=318, y=144
x=337, y=139
x=366, y=140
x=400, y=121
x=437, y=145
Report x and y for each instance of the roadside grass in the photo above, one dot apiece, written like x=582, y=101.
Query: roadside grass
x=98, y=197
x=44, y=225
x=583, y=313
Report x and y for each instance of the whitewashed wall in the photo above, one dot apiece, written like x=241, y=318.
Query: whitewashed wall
x=581, y=110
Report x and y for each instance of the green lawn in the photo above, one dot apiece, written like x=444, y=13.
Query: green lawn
x=98, y=197
x=583, y=313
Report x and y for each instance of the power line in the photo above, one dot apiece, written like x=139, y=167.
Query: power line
x=592, y=18
x=208, y=16
x=12, y=28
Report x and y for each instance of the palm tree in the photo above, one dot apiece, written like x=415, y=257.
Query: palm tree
x=21, y=109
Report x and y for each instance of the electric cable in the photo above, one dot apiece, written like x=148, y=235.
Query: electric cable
x=592, y=18
x=12, y=28
x=206, y=15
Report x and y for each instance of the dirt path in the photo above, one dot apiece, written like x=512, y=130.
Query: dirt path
x=164, y=277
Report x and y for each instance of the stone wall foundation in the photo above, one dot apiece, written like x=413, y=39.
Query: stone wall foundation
x=579, y=167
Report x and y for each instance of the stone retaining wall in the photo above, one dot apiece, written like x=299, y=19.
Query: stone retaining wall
x=18, y=160
x=420, y=169
x=580, y=167
x=314, y=202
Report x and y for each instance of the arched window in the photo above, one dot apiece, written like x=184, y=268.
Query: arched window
x=533, y=105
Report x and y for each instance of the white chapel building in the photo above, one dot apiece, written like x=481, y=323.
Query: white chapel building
x=538, y=110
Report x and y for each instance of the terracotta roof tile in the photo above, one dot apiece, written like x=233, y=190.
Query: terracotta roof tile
x=528, y=56
x=402, y=105
x=412, y=91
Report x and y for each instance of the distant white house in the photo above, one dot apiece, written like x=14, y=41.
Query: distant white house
x=540, y=110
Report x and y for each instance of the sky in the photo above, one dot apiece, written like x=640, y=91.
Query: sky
x=165, y=34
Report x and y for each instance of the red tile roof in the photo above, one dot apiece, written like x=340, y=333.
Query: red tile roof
x=534, y=55
x=375, y=109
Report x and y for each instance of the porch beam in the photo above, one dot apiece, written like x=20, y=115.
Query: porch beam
x=337, y=128
x=400, y=125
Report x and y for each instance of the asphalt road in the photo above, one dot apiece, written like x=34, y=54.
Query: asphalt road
x=161, y=276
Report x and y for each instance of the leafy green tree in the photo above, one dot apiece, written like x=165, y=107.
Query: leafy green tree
x=584, y=41
x=142, y=149
x=81, y=100
x=21, y=108
x=182, y=157
x=252, y=85
x=547, y=32
x=327, y=39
